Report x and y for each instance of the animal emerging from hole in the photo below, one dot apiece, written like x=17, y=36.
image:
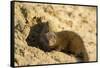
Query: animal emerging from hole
x=65, y=41
x=36, y=31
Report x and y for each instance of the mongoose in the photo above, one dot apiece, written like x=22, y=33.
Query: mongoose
x=65, y=41
x=36, y=31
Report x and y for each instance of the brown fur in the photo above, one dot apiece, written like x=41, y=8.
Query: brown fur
x=65, y=41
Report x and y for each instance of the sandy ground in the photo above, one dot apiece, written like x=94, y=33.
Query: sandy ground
x=79, y=19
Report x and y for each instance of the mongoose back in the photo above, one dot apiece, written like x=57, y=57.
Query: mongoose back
x=65, y=41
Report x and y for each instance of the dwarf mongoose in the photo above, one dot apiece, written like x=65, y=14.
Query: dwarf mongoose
x=65, y=41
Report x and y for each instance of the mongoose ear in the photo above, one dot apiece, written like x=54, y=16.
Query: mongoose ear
x=47, y=23
x=38, y=20
x=54, y=35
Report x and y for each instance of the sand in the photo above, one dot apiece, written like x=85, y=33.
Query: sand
x=79, y=19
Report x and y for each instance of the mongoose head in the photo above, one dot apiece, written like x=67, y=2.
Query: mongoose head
x=48, y=41
x=51, y=38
